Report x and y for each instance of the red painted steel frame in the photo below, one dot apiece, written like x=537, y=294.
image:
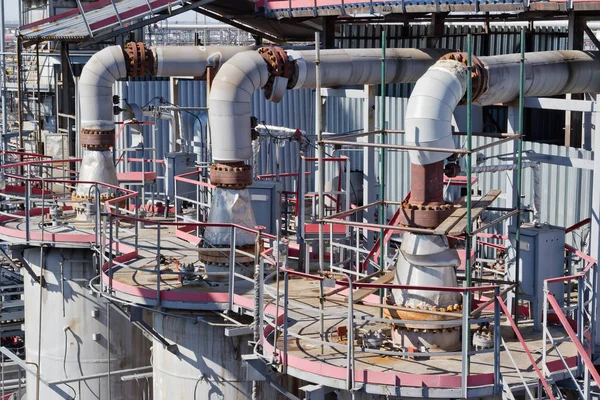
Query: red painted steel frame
x=580, y=349
x=527, y=351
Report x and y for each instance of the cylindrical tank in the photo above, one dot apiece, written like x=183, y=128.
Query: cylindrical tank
x=208, y=365
x=426, y=260
x=75, y=335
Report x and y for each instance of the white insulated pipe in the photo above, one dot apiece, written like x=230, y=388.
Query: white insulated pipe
x=341, y=67
x=428, y=121
x=246, y=72
x=547, y=73
x=229, y=112
x=96, y=87
x=189, y=61
x=108, y=65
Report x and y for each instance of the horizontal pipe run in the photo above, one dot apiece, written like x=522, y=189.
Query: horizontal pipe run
x=397, y=146
x=494, y=222
x=380, y=226
x=352, y=211
x=492, y=144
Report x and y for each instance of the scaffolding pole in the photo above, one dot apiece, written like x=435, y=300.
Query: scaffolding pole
x=466, y=362
x=519, y=179
x=382, y=152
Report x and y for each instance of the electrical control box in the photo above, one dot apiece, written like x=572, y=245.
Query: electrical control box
x=266, y=203
x=542, y=256
x=178, y=164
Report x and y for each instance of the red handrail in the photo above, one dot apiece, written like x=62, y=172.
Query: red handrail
x=580, y=349
x=527, y=351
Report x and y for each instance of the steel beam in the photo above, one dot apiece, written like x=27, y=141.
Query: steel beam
x=369, y=181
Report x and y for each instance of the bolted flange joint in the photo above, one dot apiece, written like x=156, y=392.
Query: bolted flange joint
x=95, y=139
x=231, y=175
x=139, y=59
x=478, y=72
x=279, y=65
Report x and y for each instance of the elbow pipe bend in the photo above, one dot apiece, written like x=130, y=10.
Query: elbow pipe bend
x=428, y=121
x=276, y=70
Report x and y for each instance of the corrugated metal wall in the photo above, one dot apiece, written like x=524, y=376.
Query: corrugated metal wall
x=566, y=192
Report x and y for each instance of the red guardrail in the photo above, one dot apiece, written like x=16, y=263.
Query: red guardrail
x=525, y=348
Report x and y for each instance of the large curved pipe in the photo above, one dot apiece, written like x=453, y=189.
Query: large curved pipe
x=95, y=90
x=428, y=121
x=247, y=72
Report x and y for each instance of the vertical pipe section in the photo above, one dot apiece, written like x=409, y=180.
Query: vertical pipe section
x=469, y=226
x=3, y=72
x=319, y=132
x=519, y=178
x=19, y=96
x=382, y=166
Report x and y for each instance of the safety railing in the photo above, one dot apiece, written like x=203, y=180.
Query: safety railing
x=194, y=189
x=577, y=320
x=541, y=381
x=116, y=253
x=278, y=324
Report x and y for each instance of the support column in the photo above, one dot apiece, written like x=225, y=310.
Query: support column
x=328, y=39
x=595, y=225
x=510, y=195
x=66, y=100
x=573, y=119
x=436, y=29
x=174, y=128
x=369, y=179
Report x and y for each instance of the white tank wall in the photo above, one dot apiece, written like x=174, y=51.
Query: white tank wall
x=68, y=346
x=208, y=365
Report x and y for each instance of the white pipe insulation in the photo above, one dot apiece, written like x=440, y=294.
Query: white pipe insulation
x=96, y=87
x=428, y=121
x=247, y=72
x=547, y=73
x=96, y=90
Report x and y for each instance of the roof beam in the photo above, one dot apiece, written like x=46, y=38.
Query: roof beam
x=191, y=5
x=239, y=25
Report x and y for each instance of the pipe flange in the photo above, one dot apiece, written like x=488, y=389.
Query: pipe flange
x=231, y=176
x=279, y=65
x=478, y=73
x=210, y=256
x=424, y=215
x=139, y=59
x=96, y=139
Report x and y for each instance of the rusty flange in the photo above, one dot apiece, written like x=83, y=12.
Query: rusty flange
x=424, y=216
x=231, y=176
x=103, y=197
x=278, y=64
x=478, y=74
x=139, y=59
x=209, y=256
x=95, y=139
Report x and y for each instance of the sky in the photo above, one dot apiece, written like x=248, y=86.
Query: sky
x=12, y=14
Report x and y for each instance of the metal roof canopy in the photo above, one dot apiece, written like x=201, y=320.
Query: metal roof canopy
x=104, y=20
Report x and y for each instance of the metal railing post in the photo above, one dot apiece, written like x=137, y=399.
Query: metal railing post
x=231, y=269
x=110, y=254
x=545, y=327
x=497, y=342
x=261, y=298
x=465, y=346
x=137, y=225
x=350, y=335
x=27, y=208
x=285, y=320
x=158, y=265
x=580, y=318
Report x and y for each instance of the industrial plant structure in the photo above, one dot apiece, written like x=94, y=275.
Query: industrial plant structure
x=301, y=199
